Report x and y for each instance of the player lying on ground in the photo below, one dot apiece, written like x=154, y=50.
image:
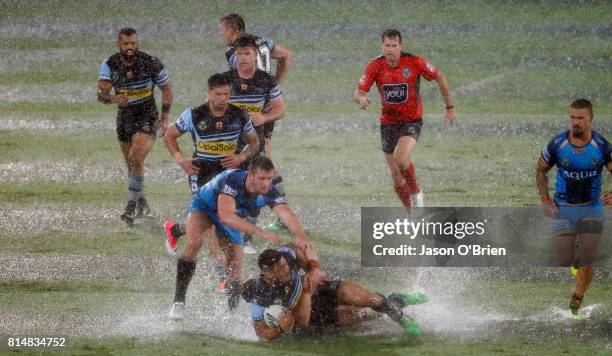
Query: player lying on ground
x=580, y=155
x=222, y=203
x=313, y=299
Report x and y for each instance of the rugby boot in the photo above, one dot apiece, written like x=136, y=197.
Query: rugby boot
x=575, y=304
x=405, y=299
x=417, y=200
x=221, y=287
x=142, y=208
x=249, y=249
x=410, y=326
x=177, y=311
x=130, y=213
x=171, y=240
x=277, y=227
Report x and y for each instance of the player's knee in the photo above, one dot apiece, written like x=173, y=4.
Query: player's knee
x=589, y=226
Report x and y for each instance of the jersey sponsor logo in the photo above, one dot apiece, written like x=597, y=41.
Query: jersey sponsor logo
x=249, y=108
x=578, y=151
x=229, y=190
x=135, y=94
x=216, y=148
x=395, y=93
x=579, y=175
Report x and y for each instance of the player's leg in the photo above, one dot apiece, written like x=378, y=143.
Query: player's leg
x=234, y=256
x=589, y=230
x=141, y=145
x=402, y=153
x=218, y=257
x=196, y=226
x=390, y=135
x=565, y=245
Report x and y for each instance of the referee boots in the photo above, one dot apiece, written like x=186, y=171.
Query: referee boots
x=129, y=214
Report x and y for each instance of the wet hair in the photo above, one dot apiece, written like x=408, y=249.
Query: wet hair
x=127, y=31
x=268, y=258
x=235, y=22
x=262, y=163
x=582, y=104
x=391, y=33
x=217, y=80
x=245, y=40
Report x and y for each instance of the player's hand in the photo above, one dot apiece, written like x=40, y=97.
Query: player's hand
x=550, y=209
x=232, y=161
x=450, y=116
x=313, y=279
x=258, y=119
x=268, y=235
x=607, y=198
x=363, y=102
x=120, y=99
x=286, y=320
x=163, y=124
x=302, y=244
x=188, y=167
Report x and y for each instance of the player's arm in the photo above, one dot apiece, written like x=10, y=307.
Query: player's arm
x=361, y=98
x=166, y=90
x=542, y=170
x=275, y=111
x=288, y=217
x=226, y=205
x=250, y=150
x=105, y=97
x=607, y=196
x=171, y=141
x=284, y=58
x=450, y=115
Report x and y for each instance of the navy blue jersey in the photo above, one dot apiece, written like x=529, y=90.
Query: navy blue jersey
x=137, y=80
x=579, y=169
x=287, y=294
x=264, y=52
x=232, y=183
x=214, y=138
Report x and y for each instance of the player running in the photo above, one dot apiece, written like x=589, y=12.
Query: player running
x=222, y=203
x=580, y=155
x=398, y=75
x=134, y=74
x=312, y=299
x=231, y=27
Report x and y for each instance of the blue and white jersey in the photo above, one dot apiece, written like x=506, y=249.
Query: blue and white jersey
x=136, y=80
x=262, y=294
x=232, y=182
x=264, y=55
x=579, y=169
x=214, y=138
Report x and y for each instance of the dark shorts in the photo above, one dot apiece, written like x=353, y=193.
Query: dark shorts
x=208, y=170
x=129, y=122
x=268, y=129
x=325, y=305
x=391, y=133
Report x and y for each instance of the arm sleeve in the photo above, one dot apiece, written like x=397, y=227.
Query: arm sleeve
x=549, y=153
x=248, y=124
x=257, y=311
x=426, y=69
x=274, y=198
x=368, y=77
x=105, y=72
x=269, y=43
x=230, y=185
x=159, y=72
x=275, y=92
x=185, y=123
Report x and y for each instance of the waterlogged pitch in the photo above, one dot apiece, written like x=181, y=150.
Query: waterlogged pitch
x=70, y=268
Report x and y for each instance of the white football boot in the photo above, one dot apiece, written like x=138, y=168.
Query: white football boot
x=177, y=312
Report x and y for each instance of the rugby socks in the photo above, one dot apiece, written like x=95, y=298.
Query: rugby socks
x=135, y=187
x=184, y=271
x=411, y=180
x=393, y=310
x=403, y=192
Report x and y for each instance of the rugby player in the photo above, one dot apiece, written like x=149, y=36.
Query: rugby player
x=222, y=203
x=398, y=75
x=580, y=155
x=312, y=299
x=215, y=128
x=231, y=27
x=134, y=74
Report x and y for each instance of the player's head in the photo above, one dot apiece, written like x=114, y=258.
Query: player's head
x=246, y=52
x=274, y=268
x=127, y=42
x=218, y=90
x=391, y=44
x=261, y=171
x=230, y=27
x=581, y=116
